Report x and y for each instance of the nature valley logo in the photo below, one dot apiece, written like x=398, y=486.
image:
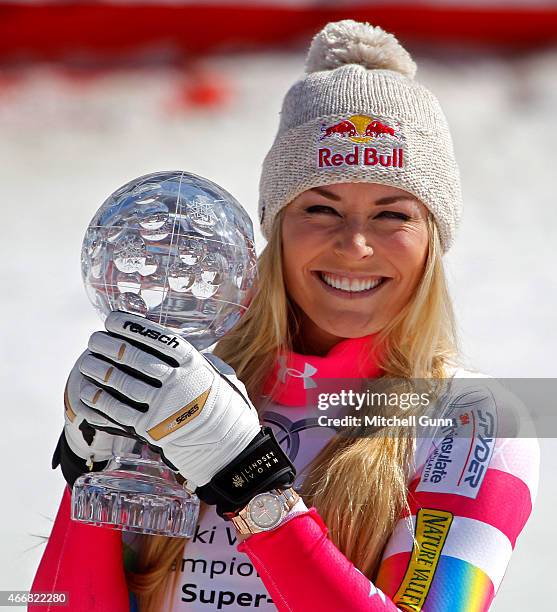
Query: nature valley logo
x=432, y=528
x=361, y=130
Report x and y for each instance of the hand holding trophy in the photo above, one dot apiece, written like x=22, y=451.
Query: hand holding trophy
x=169, y=258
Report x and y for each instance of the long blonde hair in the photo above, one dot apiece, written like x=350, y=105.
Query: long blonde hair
x=358, y=484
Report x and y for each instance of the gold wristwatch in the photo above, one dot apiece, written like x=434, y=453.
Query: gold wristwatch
x=265, y=511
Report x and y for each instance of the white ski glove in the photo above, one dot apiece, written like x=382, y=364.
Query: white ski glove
x=86, y=442
x=81, y=448
x=142, y=379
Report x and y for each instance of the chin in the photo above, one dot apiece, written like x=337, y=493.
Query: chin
x=350, y=330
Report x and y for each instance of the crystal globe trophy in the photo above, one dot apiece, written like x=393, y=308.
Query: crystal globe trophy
x=179, y=250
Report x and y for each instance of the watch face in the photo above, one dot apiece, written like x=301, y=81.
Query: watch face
x=265, y=510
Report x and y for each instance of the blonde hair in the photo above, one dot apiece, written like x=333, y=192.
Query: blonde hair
x=358, y=484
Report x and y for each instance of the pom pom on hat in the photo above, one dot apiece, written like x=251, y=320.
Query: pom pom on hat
x=351, y=42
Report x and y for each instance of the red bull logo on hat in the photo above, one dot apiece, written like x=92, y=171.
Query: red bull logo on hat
x=361, y=129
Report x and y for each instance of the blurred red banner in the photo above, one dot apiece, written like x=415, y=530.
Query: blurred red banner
x=58, y=30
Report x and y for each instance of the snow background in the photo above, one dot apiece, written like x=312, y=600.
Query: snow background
x=68, y=143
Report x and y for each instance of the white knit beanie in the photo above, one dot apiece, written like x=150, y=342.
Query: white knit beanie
x=359, y=117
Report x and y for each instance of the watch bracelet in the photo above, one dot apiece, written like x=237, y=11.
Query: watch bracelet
x=244, y=526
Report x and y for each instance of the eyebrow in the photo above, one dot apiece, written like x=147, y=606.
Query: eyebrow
x=381, y=202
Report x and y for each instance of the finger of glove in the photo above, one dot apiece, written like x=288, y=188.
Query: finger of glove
x=110, y=376
x=101, y=445
x=75, y=410
x=156, y=337
x=81, y=410
x=71, y=394
x=120, y=351
x=76, y=415
x=110, y=408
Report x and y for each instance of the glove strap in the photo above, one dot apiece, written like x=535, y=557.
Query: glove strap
x=72, y=465
x=262, y=466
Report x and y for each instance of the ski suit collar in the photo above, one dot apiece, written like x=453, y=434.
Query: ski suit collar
x=295, y=374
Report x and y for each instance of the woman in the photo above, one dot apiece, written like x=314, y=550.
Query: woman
x=360, y=199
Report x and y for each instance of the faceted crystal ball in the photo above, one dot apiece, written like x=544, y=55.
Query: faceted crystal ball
x=175, y=248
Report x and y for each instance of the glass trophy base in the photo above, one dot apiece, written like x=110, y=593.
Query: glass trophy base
x=134, y=494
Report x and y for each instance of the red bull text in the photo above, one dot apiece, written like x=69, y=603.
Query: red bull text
x=360, y=156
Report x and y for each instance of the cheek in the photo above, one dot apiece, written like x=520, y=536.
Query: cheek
x=408, y=251
x=300, y=247
x=290, y=269
x=295, y=254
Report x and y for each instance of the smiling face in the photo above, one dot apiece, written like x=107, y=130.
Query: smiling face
x=353, y=255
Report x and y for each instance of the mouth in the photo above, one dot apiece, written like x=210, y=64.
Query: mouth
x=350, y=287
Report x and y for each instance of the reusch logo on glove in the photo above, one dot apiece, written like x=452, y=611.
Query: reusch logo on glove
x=136, y=328
x=179, y=418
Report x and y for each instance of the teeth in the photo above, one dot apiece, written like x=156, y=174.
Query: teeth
x=347, y=284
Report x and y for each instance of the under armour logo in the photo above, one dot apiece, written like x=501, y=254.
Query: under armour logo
x=309, y=370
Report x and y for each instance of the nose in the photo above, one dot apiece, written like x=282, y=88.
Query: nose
x=353, y=243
